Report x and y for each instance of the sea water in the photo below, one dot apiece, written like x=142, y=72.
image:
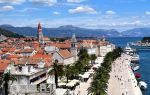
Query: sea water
x=144, y=58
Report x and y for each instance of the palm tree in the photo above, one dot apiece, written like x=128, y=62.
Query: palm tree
x=78, y=67
x=84, y=58
x=93, y=58
x=97, y=88
x=69, y=71
x=100, y=80
x=57, y=70
x=83, y=54
x=6, y=78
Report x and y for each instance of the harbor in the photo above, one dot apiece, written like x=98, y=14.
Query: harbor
x=143, y=61
x=122, y=78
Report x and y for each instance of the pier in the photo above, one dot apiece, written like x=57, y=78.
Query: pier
x=122, y=79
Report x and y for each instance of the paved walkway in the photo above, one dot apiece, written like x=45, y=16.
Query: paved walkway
x=82, y=88
x=122, y=80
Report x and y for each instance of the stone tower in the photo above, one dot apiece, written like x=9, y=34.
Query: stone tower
x=40, y=34
x=74, y=46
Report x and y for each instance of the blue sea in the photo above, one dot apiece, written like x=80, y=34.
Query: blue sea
x=144, y=59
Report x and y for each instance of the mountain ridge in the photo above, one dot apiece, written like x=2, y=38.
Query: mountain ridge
x=68, y=30
x=10, y=34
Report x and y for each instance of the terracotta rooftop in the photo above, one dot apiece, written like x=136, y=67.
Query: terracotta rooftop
x=3, y=65
x=13, y=56
x=8, y=49
x=63, y=45
x=24, y=51
x=65, y=54
x=89, y=41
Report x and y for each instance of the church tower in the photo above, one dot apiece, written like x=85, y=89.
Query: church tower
x=40, y=34
x=74, y=46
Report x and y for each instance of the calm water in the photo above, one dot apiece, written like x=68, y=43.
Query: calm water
x=144, y=59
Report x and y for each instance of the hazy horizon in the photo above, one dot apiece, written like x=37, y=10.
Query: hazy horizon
x=104, y=14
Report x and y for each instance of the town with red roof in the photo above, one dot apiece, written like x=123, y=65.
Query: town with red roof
x=30, y=59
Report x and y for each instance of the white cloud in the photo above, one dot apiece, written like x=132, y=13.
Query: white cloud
x=83, y=9
x=147, y=13
x=56, y=13
x=13, y=1
x=75, y=1
x=45, y=2
x=28, y=9
x=7, y=8
x=110, y=12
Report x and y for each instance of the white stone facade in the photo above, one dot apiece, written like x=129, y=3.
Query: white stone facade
x=66, y=61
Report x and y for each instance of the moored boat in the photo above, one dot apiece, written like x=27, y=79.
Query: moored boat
x=135, y=58
x=142, y=85
x=128, y=50
x=137, y=75
x=135, y=66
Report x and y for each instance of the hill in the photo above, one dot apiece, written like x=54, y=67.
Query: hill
x=137, y=32
x=8, y=33
x=63, y=31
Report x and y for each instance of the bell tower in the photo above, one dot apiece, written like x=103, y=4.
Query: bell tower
x=74, y=46
x=40, y=34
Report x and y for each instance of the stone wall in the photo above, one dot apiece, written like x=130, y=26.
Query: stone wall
x=43, y=89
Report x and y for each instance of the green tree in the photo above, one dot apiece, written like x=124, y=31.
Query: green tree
x=97, y=88
x=68, y=71
x=78, y=67
x=57, y=70
x=6, y=78
x=84, y=58
x=101, y=77
x=83, y=54
x=93, y=57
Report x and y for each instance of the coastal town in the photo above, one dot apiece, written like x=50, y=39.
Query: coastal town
x=30, y=61
x=39, y=66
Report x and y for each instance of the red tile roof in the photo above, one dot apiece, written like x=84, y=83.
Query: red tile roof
x=8, y=49
x=3, y=65
x=65, y=54
x=14, y=56
x=25, y=51
x=63, y=45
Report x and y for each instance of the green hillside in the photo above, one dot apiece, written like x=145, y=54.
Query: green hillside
x=9, y=33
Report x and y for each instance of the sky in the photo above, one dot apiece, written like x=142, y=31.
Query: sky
x=94, y=14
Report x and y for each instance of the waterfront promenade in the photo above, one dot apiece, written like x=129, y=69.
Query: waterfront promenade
x=122, y=80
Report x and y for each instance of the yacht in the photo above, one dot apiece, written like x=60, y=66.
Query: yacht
x=142, y=85
x=128, y=50
x=135, y=58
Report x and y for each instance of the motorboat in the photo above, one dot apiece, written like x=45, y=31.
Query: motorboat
x=137, y=75
x=128, y=50
x=136, y=67
x=135, y=58
x=142, y=85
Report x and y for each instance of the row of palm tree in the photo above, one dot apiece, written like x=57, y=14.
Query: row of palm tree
x=72, y=71
x=100, y=80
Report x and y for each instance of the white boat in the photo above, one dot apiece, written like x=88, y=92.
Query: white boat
x=135, y=58
x=136, y=67
x=128, y=49
x=142, y=85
